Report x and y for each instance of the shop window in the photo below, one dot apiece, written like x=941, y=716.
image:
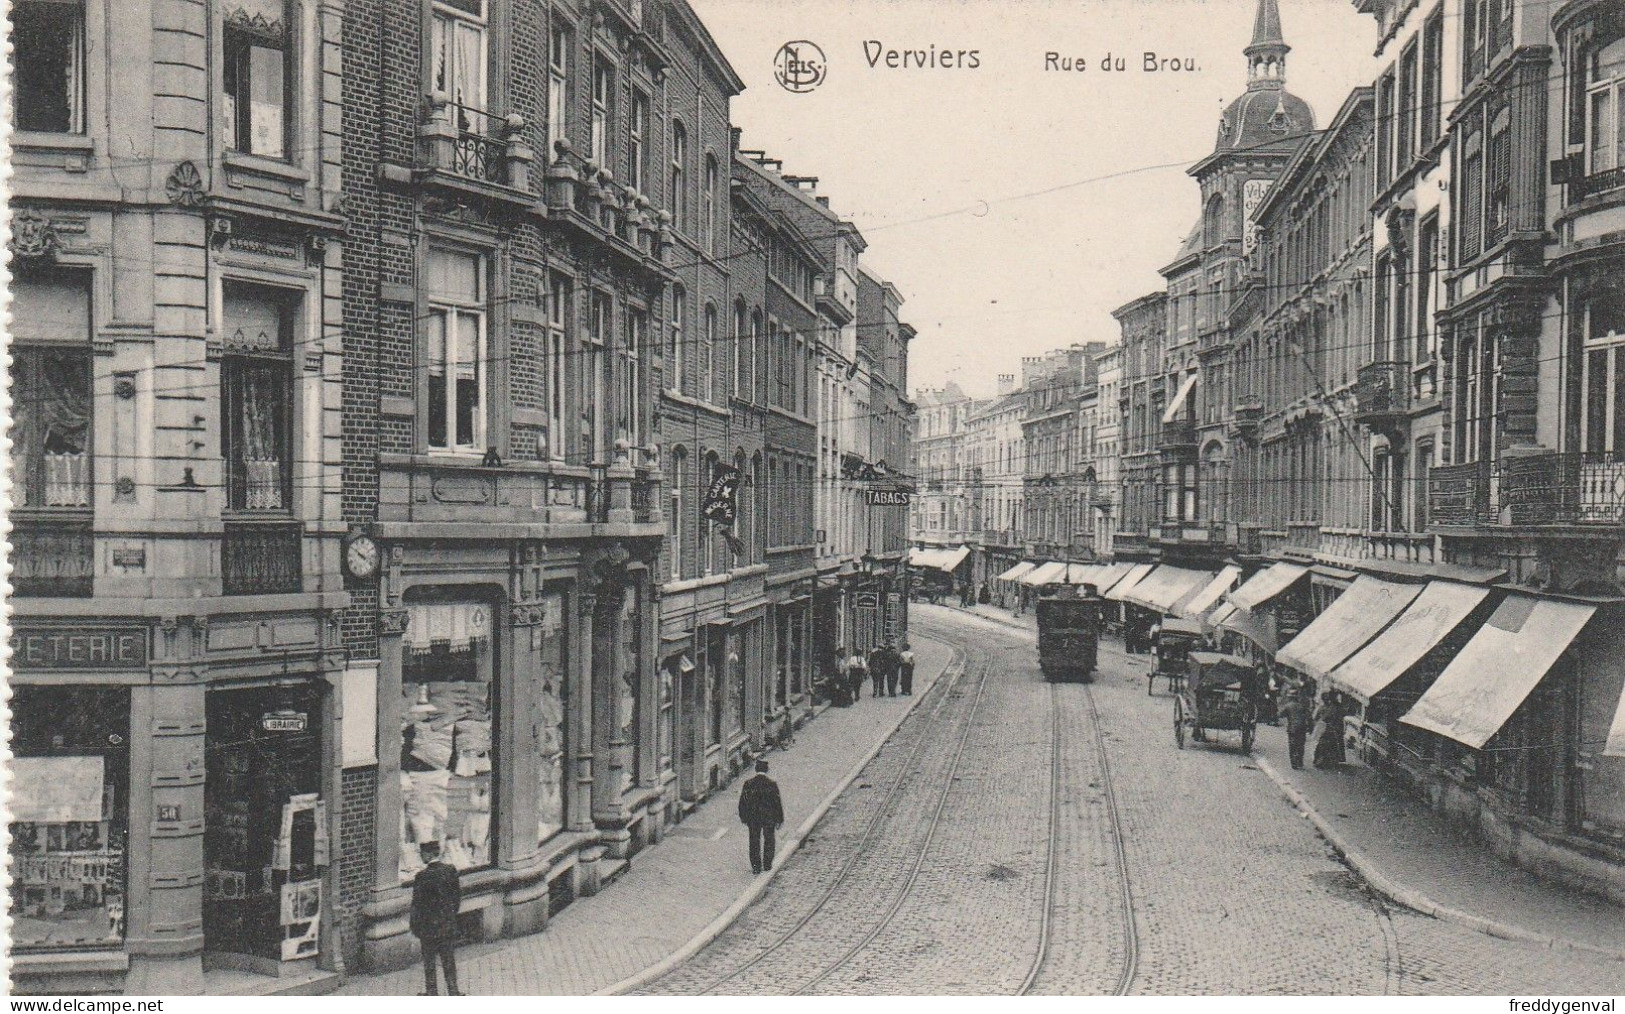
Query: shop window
x=666, y=728
x=456, y=354
x=714, y=680
x=265, y=838
x=256, y=380
x=551, y=674
x=48, y=54
x=258, y=58
x=735, y=648
x=69, y=800
x=51, y=389
x=448, y=730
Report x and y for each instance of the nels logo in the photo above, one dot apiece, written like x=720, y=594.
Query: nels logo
x=799, y=66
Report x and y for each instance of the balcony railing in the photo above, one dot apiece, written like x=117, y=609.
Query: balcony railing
x=52, y=558
x=1597, y=183
x=477, y=152
x=1381, y=392
x=261, y=557
x=643, y=498
x=598, y=496
x=1459, y=495
x=1179, y=435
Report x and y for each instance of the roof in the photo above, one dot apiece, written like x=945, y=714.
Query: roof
x=1267, y=27
x=1260, y=116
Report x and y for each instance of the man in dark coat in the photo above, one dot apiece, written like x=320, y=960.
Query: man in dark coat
x=879, y=666
x=1296, y=712
x=761, y=810
x=437, y=893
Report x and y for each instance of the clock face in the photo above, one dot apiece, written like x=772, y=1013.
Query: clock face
x=361, y=557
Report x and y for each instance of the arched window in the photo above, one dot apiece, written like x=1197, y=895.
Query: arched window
x=708, y=226
x=737, y=351
x=676, y=195
x=745, y=512
x=707, y=377
x=674, y=339
x=758, y=526
x=708, y=535
x=1213, y=221
x=674, y=525
x=757, y=354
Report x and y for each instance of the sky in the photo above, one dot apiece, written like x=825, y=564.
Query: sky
x=1015, y=205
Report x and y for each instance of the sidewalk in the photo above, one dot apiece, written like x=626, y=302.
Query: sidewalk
x=1428, y=863
x=1419, y=859
x=677, y=889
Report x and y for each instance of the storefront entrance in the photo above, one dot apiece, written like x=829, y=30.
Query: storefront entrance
x=265, y=834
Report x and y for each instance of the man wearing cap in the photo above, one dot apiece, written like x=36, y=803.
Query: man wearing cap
x=761, y=810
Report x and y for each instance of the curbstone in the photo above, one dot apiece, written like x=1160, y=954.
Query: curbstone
x=788, y=848
x=1416, y=901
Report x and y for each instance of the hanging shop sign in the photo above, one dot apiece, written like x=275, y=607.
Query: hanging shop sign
x=868, y=600
x=79, y=647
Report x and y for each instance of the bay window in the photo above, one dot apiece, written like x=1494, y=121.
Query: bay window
x=51, y=389
x=1605, y=107
x=457, y=357
x=256, y=76
x=48, y=57
x=256, y=379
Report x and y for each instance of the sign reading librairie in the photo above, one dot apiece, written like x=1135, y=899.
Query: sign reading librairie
x=79, y=648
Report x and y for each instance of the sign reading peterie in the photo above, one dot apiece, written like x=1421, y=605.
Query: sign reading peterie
x=77, y=648
x=886, y=498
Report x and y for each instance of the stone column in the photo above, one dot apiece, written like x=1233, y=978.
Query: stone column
x=386, y=942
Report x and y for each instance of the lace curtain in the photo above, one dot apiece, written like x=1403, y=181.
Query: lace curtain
x=51, y=428
x=261, y=401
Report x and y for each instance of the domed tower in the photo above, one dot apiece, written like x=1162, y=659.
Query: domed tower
x=1266, y=111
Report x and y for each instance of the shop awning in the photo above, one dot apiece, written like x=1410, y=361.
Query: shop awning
x=1615, y=746
x=1020, y=570
x=1357, y=616
x=1266, y=584
x=1135, y=574
x=918, y=557
x=1212, y=593
x=950, y=559
x=1171, y=413
x=1429, y=619
x=1166, y=587
x=1220, y=613
x=1253, y=628
x=1504, y=661
x=1084, y=573
x=1048, y=573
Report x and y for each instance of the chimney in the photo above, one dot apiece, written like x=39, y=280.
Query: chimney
x=1007, y=384
x=822, y=199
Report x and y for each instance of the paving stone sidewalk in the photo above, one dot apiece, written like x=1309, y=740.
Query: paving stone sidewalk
x=676, y=889
x=1422, y=860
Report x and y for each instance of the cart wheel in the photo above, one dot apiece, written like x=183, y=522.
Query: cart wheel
x=1179, y=722
x=1247, y=739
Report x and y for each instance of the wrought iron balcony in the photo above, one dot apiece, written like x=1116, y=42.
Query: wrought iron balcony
x=643, y=498
x=476, y=145
x=261, y=557
x=1459, y=495
x=1382, y=394
x=1551, y=488
x=598, y=496
x=1178, y=436
x=52, y=557
x=1597, y=183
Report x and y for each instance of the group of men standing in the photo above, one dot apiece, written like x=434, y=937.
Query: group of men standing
x=887, y=669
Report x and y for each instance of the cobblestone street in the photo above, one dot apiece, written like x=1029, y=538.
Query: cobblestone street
x=1003, y=800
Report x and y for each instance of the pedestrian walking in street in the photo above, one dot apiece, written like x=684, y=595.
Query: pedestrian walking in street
x=762, y=811
x=1295, y=710
x=437, y=894
x=857, y=671
x=893, y=666
x=841, y=693
x=984, y=596
x=1329, y=747
x=905, y=669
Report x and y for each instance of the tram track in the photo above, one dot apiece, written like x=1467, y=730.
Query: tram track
x=1131, y=929
x=948, y=686
x=984, y=669
x=1046, y=912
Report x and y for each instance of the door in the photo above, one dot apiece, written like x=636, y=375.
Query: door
x=264, y=838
